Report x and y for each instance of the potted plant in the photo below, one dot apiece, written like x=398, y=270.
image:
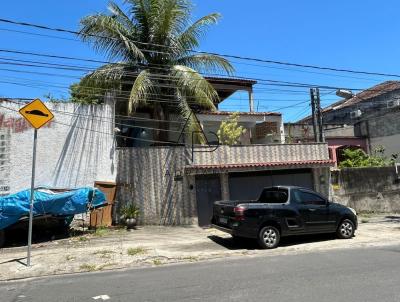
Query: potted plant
x=130, y=212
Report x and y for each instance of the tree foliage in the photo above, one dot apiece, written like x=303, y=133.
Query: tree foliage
x=153, y=42
x=83, y=95
x=354, y=158
x=229, y=132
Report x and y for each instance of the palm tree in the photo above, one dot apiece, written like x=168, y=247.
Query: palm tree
x=157, y=68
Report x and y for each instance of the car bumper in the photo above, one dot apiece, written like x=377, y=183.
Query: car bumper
x=238, y=231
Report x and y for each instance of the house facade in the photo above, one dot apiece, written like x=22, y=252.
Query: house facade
x=366, y=120
x=381, y=129
x=372, y=100
x=178, y=185
x=174, y=183
x=338, y=138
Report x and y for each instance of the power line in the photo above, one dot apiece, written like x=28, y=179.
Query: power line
x=202, y=52
x=236, y=62
x=261, y=81
x=153, y=96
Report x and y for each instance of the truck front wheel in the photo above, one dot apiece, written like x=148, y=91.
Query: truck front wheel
x=345, y=229
x=269, y=237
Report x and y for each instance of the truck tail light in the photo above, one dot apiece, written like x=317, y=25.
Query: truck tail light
x=239, y=213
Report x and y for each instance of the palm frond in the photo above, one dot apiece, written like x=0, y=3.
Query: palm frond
x=189, y=39
x=171, y=19
x=105, y=77
x=207, y=63
x=192, y=84
x=118, y=13
x=192, y=124
x=140, y=89
x=110, y=36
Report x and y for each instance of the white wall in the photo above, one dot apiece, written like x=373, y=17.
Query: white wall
x=74, y=149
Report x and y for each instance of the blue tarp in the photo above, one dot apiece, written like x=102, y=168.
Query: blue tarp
x=48, y=202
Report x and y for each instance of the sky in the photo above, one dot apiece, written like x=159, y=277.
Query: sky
x=358, y=35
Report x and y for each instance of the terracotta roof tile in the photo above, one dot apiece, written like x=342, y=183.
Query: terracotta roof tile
x=240, y=113
x=268, y=164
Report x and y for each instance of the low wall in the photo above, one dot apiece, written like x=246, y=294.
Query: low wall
x=367, y=189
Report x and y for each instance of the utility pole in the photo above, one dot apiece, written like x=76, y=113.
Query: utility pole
x=319, y=116
x=314, y=115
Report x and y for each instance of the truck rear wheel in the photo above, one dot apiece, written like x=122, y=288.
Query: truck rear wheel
x=2, y=238
x=269, y=237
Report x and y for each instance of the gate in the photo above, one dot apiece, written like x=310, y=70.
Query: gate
x=208, y=190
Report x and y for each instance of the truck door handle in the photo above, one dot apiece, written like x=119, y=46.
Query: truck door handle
x=312, y=210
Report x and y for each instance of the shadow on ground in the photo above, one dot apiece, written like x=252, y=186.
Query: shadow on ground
x=19, y=237
x=392, y=218
x=251, y=244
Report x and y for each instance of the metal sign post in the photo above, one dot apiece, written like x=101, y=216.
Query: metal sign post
x=28, y=262
x=37, y=114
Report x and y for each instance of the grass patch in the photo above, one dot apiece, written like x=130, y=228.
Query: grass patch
x=133, y=251
x=83, y=238
x=105, y=265
x=191, y=258
x=69, y=258
x=101, y=231
x=157, y=262
x=367, y=214
x=364, y=220
x=87, y=267
x=104, y=253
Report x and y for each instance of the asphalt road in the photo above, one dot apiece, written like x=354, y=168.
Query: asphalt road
x=370, y=274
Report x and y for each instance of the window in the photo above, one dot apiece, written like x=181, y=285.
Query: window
x=273, y=196
x=307, y=198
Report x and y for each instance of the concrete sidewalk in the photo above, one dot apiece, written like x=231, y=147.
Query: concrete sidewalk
x=152, y=246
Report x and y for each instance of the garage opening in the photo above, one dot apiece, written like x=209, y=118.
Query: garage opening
x=248, y=185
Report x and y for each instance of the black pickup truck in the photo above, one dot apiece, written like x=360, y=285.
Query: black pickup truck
x=283, y=211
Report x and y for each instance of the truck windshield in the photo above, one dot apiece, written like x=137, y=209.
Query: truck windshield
x=273, y=196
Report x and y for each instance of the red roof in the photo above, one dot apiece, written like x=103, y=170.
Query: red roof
x=240, y=113
x=268, y=164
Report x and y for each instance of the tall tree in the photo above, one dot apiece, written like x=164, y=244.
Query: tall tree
x=153, y=41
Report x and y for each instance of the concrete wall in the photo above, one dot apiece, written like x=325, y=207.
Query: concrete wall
x=368, y=189
x=74, y=149
x=383, y=129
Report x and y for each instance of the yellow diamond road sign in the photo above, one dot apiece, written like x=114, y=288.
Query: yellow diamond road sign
x=36, y=113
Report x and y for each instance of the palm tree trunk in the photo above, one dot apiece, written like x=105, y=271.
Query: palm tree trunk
x=160, y=114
